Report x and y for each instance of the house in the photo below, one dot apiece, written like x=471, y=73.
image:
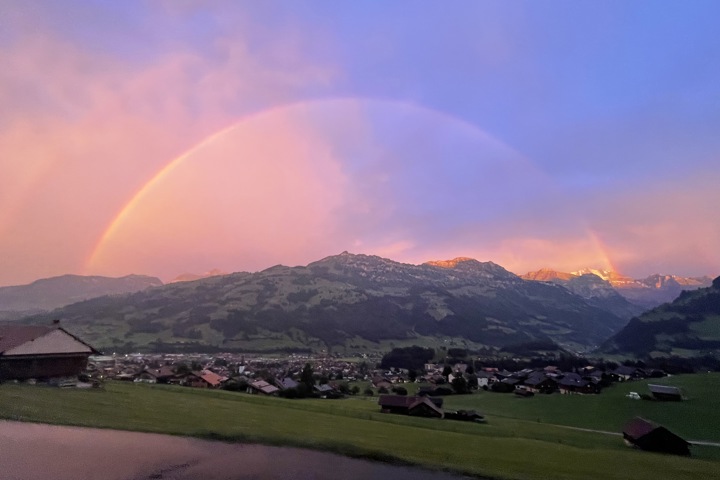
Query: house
x=539, y=383
x=163, y=374
x=624, y=373
x=649, y=436
x=41, y=352
x=202, y=379
x=665, y=392
x=286, y=383
x=261, y=386
x=573, y=383
x=413, y=405
x=325, y=390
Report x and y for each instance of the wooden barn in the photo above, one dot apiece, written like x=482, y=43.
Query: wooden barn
x=666, y=393
x=411, y=405
x=649, y=436
x=41, y=352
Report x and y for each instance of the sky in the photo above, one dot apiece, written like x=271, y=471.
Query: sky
x=163, y=137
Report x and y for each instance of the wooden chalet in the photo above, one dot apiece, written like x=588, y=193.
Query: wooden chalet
x=539, y=383
x=41, y=352
x=649, y=436
x=202, y=379
x=410, y=405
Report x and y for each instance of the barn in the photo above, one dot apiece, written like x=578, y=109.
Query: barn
x=414, y=406
x=41, y=352
x=666, y=393
x=649, y=436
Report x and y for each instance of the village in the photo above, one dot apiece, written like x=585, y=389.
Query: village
x=51, y=355
x=333, y=377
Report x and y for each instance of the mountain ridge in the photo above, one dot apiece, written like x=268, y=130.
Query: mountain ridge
x=54, y=292
x=646, y=293
x=344, y=300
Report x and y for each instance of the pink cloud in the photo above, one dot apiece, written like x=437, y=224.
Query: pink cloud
x=82, y=132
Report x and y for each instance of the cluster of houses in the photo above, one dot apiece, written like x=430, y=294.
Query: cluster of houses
x=586, y=380
x=50, y=351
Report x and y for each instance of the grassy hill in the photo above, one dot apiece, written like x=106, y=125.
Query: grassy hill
x=346, y=301
x=687, y=327
x=520, y=440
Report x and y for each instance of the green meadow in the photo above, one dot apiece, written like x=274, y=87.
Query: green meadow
x=525, y=438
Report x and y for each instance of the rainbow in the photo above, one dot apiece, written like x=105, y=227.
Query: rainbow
x=137, y=198
x=602, y=249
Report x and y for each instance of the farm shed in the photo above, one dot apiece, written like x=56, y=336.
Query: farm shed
x=41, y=352
x=647, y=435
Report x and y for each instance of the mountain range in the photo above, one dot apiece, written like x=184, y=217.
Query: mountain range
x=645, y=293
x=50, y=293
x=345, y=301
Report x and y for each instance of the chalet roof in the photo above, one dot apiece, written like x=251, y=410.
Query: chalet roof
x=573, y=382
x=638, y=427
x=666, y=389
x=287, y=382
x=14, y=337
x=396, y=400
x=426, y=401
x=264, y=386
x=210, y=377
x=536, y=379
x=625, y=370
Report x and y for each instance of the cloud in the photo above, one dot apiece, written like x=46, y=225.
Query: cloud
x=83, y=130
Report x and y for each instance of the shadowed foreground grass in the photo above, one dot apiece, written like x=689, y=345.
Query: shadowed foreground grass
x=503, y=448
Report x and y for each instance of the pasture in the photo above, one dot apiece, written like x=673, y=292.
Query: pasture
x=522, y=439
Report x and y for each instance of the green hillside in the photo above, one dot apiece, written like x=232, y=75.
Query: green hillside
x=345, y=301
x=687, y=327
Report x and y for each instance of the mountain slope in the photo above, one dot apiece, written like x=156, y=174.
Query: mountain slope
x=343, y=300
x=49, y=293
x=689, y=326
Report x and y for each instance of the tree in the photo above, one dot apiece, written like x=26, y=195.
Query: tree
x=354, y=390
x=446, y=371
x=472, y=381
x=412, y=375
x=400, y=390
x=368, y=392
x=182, y=368
x=460, y=385
x=306, y=377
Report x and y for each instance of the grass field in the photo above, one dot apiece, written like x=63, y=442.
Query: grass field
x=520, y=441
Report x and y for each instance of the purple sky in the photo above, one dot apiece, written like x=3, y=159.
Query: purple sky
x=160, y=137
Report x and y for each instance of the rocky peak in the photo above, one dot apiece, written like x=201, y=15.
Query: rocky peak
x=547, y=275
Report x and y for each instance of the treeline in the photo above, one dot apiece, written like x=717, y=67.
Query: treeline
x=410, y=358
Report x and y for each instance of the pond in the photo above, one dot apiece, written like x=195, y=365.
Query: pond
x=35, y=451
